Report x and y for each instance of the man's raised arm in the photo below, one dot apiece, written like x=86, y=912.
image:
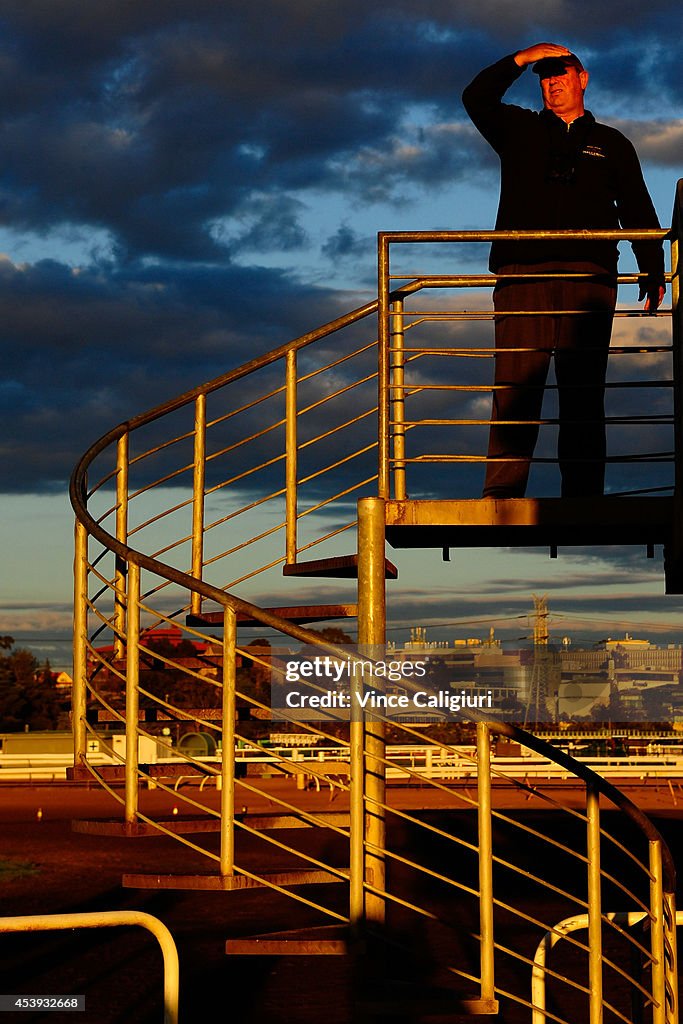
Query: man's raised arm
x=482, y=97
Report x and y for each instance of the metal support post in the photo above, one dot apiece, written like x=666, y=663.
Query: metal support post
x=485, y=860
x=670, y=958
x=398, y=399
x=79, y=692
x=132, y=694
x=594, y=906
x=198, y=482
x=291, y=457
x=122, y=537
x=227, y=861
x=371, y=634
x=657, y=934
x=356, y=814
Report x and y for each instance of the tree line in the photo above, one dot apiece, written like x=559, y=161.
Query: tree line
x=28, y=695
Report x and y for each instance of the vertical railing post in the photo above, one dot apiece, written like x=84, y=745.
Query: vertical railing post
x=356, y=813
x=291, y=457
x=198, y=484
x=227, y=855
x=670, y=958
x=594, y=905
x=485, y=860
x=657, y=933
x=371, y=635
x=79, y=689
x=122, y=537
x=383, y=327
x=132, y=694
x=397, y=423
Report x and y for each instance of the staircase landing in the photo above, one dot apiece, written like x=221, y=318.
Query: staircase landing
x=542, y=522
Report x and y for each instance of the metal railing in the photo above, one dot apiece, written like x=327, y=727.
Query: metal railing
x=214, y=492
x=426, y=358
x=111, y=919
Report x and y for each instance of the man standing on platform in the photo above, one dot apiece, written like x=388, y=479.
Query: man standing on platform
x=560, y=169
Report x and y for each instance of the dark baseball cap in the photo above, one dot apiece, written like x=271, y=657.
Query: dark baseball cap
x=550, y=66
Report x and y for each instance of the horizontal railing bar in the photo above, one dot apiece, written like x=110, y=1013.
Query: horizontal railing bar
x=536, y=460
x=435, y=784
x=338, y=463
x=341, y=874
x=665, y=418
x=162, y=446
x=425, y=316
x=245, y=408
x=244, y=544
x=249, y=576
x=438, y=350
x=541, y=882
x=95, y=654
x=546, y=970
x=245, y=440
x=337, y=394
x=327, y=536
x=161, y=480
x=192, y=673
x=161, y=515
x=399, y=858
x=337, y=429
x=246, y=473
x=488, y=235
x=478, y=388
x=335, y=497
x=305, y=815
x=111, y=475
x=172, y=546
x=108, y=512
x=244, y=508
x=337, y=362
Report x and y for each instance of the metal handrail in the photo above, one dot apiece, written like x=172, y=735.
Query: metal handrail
x=112, y=919
x=124, y=585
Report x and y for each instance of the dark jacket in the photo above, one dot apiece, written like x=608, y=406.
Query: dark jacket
x=556, y=176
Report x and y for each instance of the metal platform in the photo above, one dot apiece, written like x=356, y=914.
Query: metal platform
x=532, y=522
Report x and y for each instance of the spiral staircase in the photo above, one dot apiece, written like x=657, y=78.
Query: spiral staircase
x=260, y=503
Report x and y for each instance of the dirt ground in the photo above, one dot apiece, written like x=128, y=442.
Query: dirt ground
x=46, y=867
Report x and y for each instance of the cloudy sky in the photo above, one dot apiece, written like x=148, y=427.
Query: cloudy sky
x=183, y=184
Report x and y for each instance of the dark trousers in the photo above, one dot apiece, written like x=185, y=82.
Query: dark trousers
x=580, y=344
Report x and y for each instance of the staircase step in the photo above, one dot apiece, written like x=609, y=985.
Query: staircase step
x=264, y=822
x=116, y=827
x=293, y=613
x=117, y=772
x=229, y=883
x=328, y=940
x=187, y=825
x=340, y=567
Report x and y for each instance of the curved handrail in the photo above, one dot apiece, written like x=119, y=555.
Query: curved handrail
x=227, y=600
x=603, y=786
x=173, y=404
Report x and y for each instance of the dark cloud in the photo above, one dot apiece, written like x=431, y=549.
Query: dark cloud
x=345, y=244
x=194, y=135
x=83, y=350
x=155, y=121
